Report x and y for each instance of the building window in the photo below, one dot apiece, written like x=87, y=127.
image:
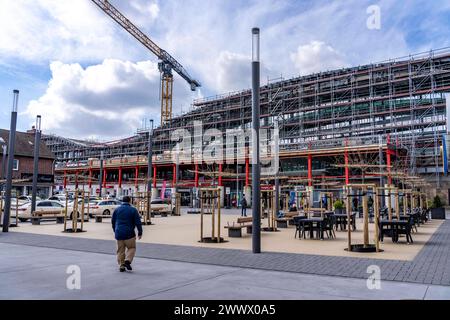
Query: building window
x=16, y=165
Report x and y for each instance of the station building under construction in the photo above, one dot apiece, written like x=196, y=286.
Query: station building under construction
x=381, y=122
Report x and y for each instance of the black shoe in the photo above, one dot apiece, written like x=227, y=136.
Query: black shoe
x=122, y=269
x=128, y=265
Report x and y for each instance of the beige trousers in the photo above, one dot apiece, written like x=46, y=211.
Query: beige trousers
x=126, y=249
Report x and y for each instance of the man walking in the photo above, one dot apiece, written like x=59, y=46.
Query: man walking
x=244, y=206
x=124, y=220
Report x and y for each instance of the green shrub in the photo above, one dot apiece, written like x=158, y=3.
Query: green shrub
x=437, y=203
x=338, y=204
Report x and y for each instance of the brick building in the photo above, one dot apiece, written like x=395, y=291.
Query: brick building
x=23, y=164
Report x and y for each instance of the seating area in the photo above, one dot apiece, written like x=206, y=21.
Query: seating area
x=39, y=216
x=406, y=225
x=286, y=219
x=235, y=229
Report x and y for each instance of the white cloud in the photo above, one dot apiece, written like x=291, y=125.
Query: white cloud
x=317, y=56
x=71, y=31
x=211, y=39
x=145, y=9
x=233, y=72
x=101, y=101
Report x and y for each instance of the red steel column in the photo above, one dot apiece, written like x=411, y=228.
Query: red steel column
x=65, y=179
x=120, y=177
x=388, y=159
x=196, y=175
x=104, y=178
x=388, y=156
x=136, y=176
x=220, y=175
x=174, y=176
x=310, y=170
x=154, y=176
x=90, y=178
x=247, y=171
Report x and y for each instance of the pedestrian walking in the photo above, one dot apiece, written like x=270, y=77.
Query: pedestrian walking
x=125, y=220
x=244, y=206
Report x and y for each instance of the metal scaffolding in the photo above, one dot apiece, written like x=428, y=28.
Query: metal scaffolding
x=401, y=100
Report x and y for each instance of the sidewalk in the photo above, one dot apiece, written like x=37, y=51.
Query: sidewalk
x=30, y=272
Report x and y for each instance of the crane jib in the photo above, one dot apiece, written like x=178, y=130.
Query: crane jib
x=164, y=56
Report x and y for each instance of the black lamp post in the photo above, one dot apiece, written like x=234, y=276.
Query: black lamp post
x=37, y=142
x=9, y=171
x=256, y=169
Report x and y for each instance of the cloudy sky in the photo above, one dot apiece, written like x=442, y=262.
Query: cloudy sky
x=88, y=78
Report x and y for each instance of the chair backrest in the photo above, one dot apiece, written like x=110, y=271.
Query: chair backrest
x=298, y=218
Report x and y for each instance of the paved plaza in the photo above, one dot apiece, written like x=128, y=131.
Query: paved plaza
x=30, y=272
x=33, y=266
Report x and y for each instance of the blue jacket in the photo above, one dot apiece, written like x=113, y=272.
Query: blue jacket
x=124, y=220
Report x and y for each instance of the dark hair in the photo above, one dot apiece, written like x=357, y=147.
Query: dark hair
x=126, y=199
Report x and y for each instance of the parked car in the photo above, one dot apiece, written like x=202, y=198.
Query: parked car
x=70, y=208
x=162, y=205
x=61, y=198
x=21, y=200
x=103, y=207
x=28, y=198
x=24, y=211
x=17, y=202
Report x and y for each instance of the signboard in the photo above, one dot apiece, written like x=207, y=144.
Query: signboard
x=267, y=187
x=227, y=190
x=300, y=188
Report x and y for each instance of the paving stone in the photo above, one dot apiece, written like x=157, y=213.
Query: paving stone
x=431, y=265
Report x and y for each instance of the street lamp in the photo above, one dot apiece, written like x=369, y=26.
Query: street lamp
x=11, y=142
x=37, y=142
x=256, y=169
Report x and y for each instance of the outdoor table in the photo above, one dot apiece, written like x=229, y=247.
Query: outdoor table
x=311, y=222
x=341, y=220
x=392, y=228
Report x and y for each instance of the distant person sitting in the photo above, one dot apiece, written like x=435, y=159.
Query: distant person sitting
x=293, y=207
x=125, y=220
x=244, y=207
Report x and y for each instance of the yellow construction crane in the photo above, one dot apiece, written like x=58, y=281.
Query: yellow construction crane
x=166, y=62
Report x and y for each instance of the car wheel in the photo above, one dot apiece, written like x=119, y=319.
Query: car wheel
x=23, y=219
x=106, y=213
